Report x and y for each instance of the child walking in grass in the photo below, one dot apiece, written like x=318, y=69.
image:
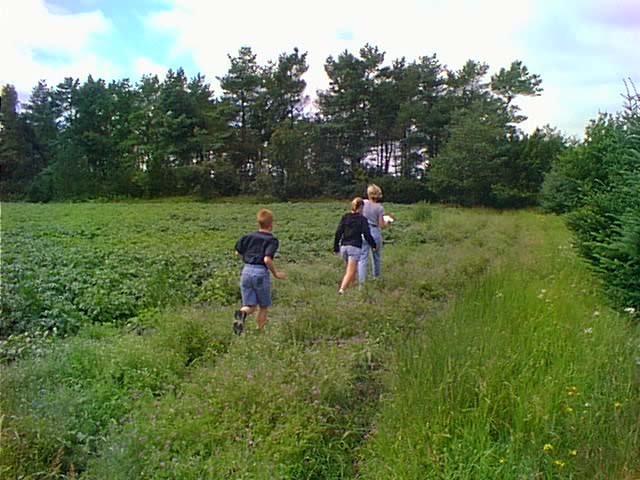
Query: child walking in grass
x=348, y=241
x=257, y=250
x=377, y=220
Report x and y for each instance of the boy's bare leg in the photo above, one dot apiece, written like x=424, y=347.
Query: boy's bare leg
x=262, y=317
x=248, y=310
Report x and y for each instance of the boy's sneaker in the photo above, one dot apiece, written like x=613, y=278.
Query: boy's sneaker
x=238, y=322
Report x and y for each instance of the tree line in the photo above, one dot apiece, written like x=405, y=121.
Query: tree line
x=422, y=129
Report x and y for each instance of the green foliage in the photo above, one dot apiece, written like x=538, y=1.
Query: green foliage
x=584, y=168
x=221, y=287
x=515, y=381
x=485, y=163
x=513, y=82
x=422, y=213
x=518, y=180
x=265, y=413
x=18, y=161
x=400, y=189
x=293, y=171
x=174, y=394
x=465, y=170
x=65, y=402
x=172, y=136
x=598, y=184
x=104, y=263
x=43, y=187
x=561, y=190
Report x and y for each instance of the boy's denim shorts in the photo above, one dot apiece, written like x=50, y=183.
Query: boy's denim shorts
x=349, y=252
x=255, y=286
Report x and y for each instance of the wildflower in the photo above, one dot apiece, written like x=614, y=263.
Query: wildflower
x=559, y=463
x=502, y=461
x=568, y=410
x=547, y=447
x=596, y=313
x=630, y=310
x=588, y=331
x=572, y=391
x=617, y=405
x=573, y=453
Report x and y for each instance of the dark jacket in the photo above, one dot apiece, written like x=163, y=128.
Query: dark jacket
x=351, y=229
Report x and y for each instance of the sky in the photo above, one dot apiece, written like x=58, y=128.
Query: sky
x=584, y=50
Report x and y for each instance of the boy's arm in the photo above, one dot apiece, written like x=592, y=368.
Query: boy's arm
x=268, y=261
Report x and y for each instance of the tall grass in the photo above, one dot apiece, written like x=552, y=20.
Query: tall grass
x=528, y=375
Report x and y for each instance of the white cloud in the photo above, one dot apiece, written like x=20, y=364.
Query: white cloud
x=455, y=30
x=146, y=66
x=36, y=43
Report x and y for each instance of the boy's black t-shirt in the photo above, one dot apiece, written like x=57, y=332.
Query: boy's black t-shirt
x=255, y=246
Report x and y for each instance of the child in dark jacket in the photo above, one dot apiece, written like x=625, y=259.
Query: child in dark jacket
x=348, y=241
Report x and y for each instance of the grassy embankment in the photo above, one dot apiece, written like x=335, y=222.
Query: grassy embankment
x=485, y=352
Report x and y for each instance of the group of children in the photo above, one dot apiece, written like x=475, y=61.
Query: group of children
x=357, y=231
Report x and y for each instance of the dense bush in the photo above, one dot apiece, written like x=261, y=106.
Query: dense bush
x=487, y=162
x=608, y=230
x=400, y=189
x=598, y=184
x=527, y=159
x=585, y=168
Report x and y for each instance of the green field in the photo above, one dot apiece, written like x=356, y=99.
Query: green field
x=485, y=351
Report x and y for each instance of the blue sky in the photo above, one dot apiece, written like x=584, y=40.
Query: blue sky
x=583, y=49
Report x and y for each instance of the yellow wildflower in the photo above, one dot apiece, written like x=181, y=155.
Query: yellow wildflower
x=559, y=463
x=547, y=447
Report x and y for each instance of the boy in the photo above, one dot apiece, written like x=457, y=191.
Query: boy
x=257, y=250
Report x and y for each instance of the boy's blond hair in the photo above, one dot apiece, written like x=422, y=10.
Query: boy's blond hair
x=374, y=192
x=356, y=203
x=264, y=218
